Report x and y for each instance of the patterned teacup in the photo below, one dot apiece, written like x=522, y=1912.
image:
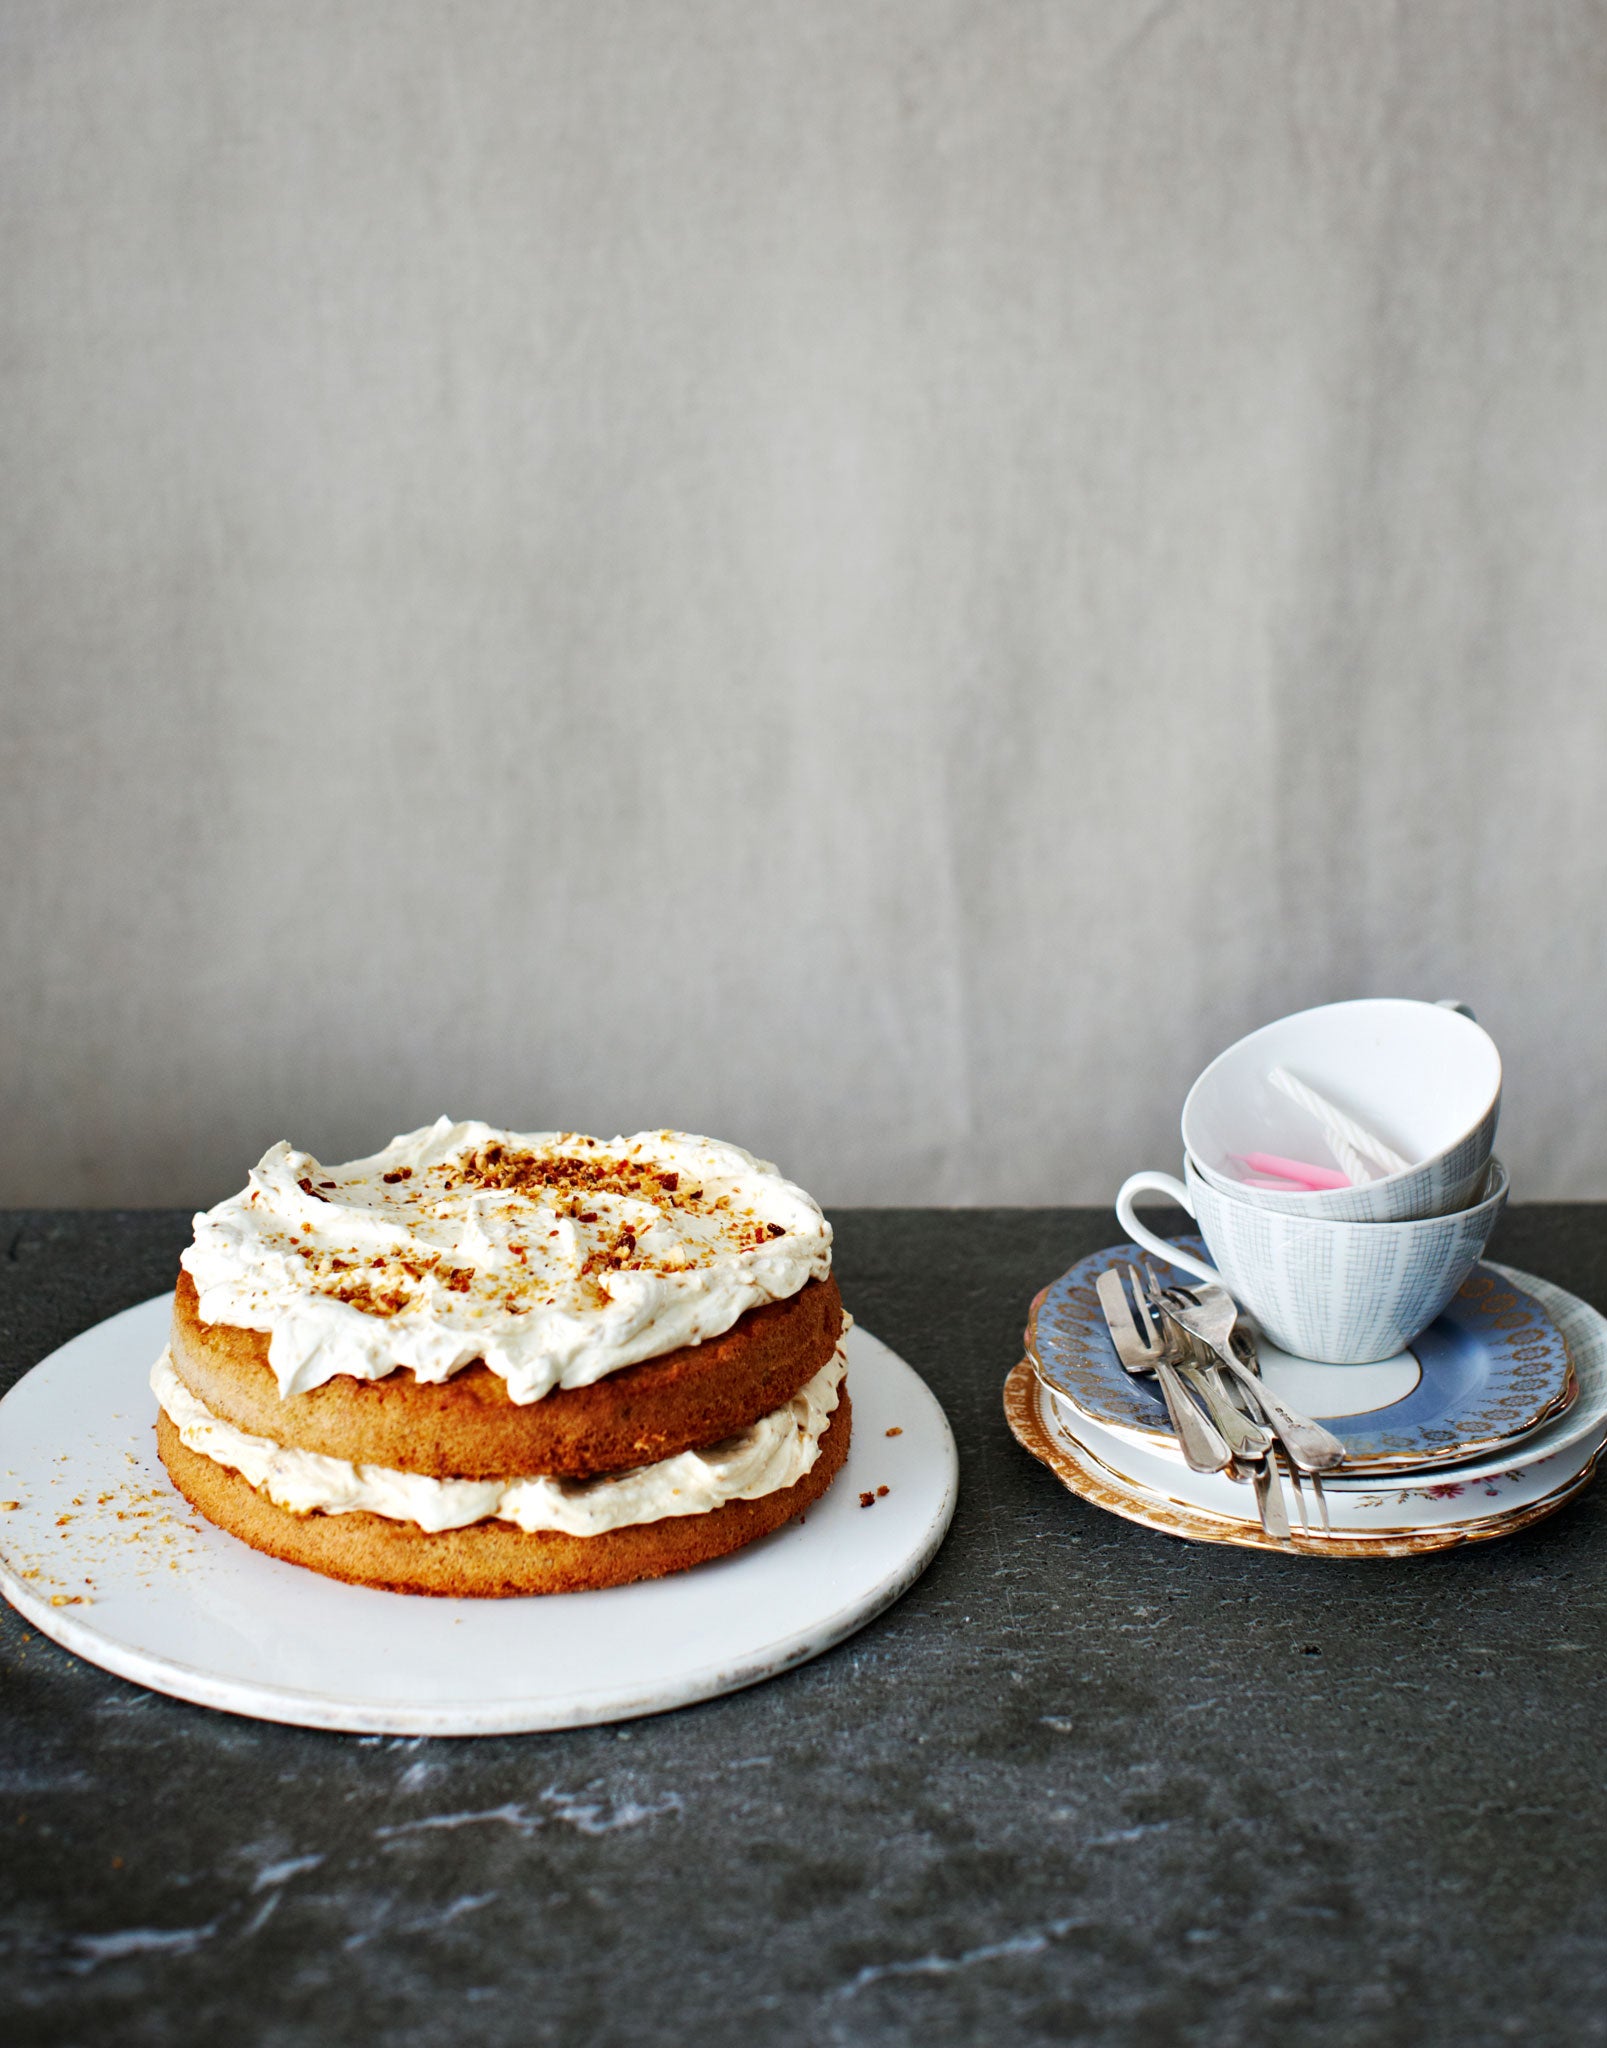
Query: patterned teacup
x=1341, y=1293
x=1424, y=1076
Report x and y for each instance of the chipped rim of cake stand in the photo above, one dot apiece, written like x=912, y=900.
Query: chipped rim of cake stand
x=104, y=1556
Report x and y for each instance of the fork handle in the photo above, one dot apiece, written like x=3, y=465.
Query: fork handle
x=1242, y=1434
x=1204, y=1447
x=1269, y=1499
x=1311, y=1447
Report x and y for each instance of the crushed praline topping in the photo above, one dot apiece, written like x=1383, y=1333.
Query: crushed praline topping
x=566, y=1184
x=547, y=1255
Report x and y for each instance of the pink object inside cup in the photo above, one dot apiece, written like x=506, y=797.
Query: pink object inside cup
x=1296, y=1171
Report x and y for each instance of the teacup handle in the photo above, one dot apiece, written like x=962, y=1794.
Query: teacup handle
x=1127, y=1217
x=1461, y=1009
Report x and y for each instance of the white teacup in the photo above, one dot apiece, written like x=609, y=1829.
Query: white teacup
x=1422, y=1076
x=1342, y=1293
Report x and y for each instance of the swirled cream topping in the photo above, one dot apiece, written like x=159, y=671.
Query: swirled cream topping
x=772, y=1453
x=555, y=1258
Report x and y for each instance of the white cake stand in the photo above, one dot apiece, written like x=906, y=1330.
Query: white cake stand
x=102, y=1554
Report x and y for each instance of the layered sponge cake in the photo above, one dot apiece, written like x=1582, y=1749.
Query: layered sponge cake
x=485, y=1363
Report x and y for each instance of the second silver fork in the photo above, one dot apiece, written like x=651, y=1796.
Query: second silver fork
x=1254, y=1456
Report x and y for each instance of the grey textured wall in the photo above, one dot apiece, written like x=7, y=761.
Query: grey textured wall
x=876, y=577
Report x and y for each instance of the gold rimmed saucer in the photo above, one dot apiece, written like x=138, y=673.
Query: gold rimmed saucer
x=1082, y=1474
x=1495, y=1369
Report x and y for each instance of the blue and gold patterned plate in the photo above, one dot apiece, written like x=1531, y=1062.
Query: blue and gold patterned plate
x=1490, y=1369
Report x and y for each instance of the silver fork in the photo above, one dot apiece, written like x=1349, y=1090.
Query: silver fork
x=1212, y=1315
x=1143, y=1350
x=1254, y=1458
x=1245, y=1436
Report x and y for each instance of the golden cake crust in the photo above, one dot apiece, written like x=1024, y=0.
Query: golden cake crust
x=467, y=1427
x=489, y=1559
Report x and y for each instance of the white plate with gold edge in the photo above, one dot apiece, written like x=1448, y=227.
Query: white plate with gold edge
x=100, y=1552
x=1583, y=1329
x=1399, y=1506
x=1029, y=1410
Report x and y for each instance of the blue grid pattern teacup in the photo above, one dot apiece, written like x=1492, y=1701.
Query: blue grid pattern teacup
x=1341, y=1293
x=1424, y=1076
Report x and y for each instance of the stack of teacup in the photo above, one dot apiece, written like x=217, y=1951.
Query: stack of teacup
x=1341, y=1274
x=1338, y=1165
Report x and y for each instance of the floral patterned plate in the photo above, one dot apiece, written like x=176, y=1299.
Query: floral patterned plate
x=1037, y=1419
x=1494, y=1368
x=1403, y=1504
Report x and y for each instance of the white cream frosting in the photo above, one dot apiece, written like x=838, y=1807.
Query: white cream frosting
x=557, y=1259
x=774, y=1452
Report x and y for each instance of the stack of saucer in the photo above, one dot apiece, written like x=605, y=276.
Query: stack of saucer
x=1494, y=1417
x=1470, y=1399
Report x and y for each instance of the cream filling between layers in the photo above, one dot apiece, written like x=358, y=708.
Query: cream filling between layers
x=772, y=1453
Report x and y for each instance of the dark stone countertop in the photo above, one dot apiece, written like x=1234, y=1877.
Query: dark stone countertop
x=1085, y=1783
